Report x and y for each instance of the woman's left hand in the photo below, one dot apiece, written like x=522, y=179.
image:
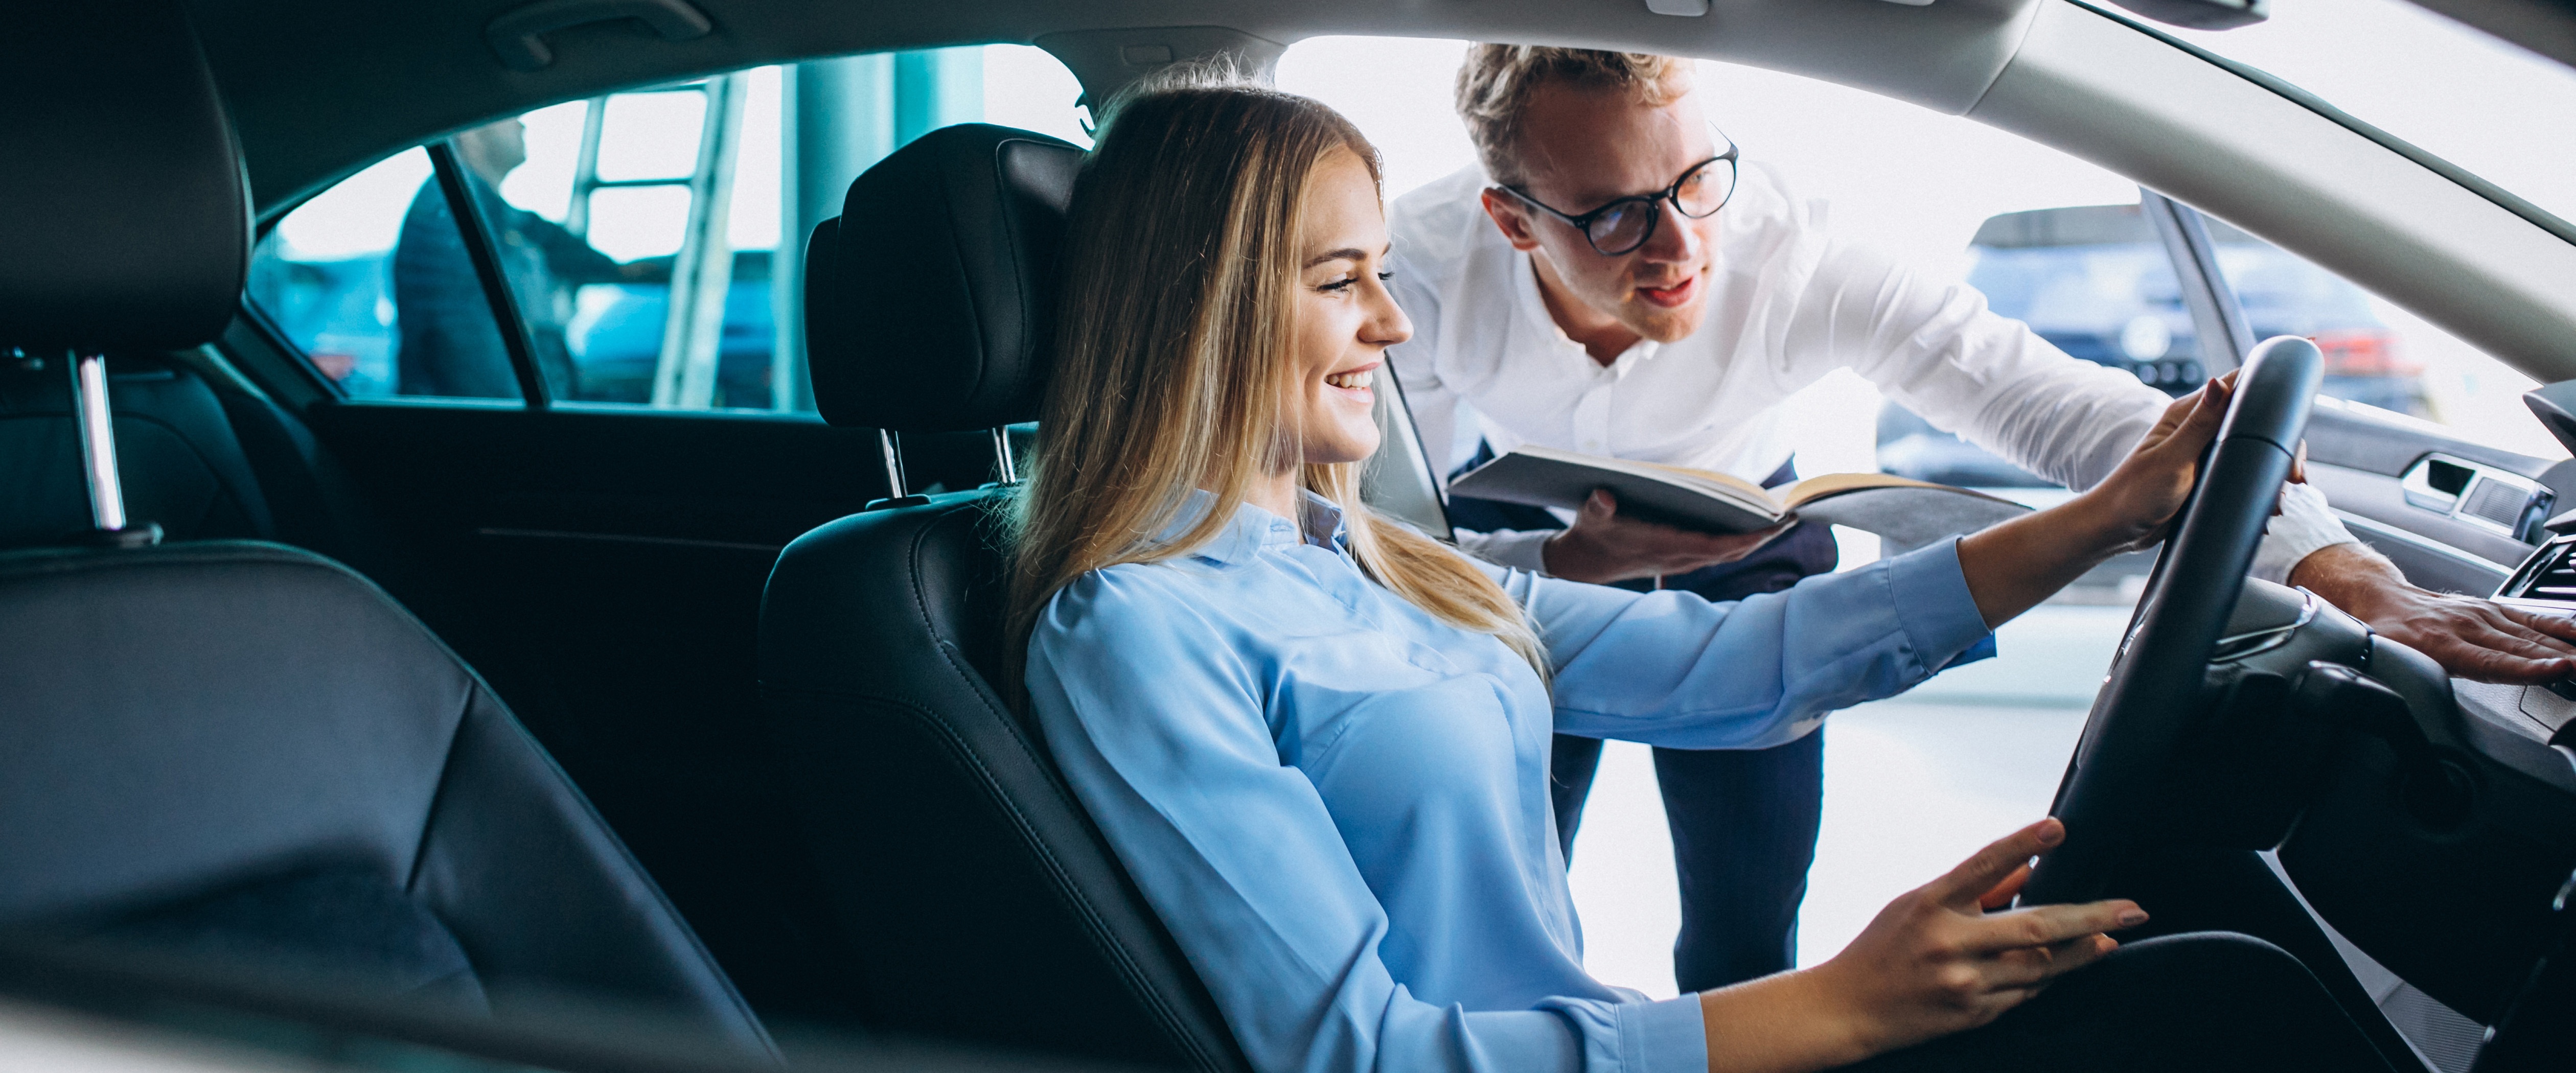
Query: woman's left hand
x=2140, y=499
x=2013, y=566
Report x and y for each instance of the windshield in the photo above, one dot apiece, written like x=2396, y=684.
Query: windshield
x=2505, y=114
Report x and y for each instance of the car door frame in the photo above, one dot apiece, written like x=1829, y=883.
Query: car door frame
x=2356, y=458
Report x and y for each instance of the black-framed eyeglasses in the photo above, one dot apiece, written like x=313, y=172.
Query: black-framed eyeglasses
x=1629, y=222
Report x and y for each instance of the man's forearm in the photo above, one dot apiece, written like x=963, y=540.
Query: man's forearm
x=2350, y=576
x=2473, y=638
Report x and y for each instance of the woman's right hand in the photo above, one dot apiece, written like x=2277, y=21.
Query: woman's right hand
x=1937, y=960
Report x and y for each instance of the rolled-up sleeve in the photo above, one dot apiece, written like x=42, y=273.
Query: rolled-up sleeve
x=1159, y=725
x=1672, y=669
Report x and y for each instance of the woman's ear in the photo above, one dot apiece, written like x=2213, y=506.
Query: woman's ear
x=1512, y=217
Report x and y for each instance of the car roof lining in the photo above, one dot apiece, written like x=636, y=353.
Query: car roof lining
x=1960, y=57
x=273, y=59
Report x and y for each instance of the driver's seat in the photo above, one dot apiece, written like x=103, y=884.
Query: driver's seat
x=969, y=891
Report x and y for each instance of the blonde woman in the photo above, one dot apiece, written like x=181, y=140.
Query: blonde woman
x=1319, y=740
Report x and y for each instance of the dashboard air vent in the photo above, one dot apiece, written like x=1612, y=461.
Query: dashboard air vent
x=2548, y=577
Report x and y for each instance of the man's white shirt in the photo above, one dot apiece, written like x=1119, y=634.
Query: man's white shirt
x=1788, y=303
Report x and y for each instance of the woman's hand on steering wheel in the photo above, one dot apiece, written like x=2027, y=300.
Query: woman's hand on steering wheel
x=1937, y=960
x=2013, y=566
x=2146, y=493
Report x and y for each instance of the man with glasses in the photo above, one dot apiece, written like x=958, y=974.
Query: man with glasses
x=1613, y=279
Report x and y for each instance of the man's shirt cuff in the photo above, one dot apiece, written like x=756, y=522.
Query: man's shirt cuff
x=2304, y=526
x=1520, y=549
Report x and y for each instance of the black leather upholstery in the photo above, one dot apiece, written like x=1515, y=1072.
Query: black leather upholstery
x=972, y=894
x=124, y=216
x=928, y=301
x=190, y=719
x=235, y=748
x=971, y=890
x=181, y=465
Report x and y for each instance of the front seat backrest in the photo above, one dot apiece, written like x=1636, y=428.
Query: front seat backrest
x=241, y=749
x=972, y=894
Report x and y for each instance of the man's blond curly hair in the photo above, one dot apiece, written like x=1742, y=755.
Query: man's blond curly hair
x=1496, y=82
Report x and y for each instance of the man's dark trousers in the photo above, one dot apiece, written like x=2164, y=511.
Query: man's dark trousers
x=1744, y=821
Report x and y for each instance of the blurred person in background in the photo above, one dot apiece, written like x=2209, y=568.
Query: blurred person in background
x=450, y=344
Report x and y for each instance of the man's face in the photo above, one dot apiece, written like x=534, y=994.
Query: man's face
x=1582, y=148
x=494, y=150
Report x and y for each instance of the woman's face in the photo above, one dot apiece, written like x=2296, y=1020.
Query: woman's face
x=1345, y=319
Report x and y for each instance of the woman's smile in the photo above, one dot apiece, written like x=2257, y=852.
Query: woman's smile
x=1354, y=383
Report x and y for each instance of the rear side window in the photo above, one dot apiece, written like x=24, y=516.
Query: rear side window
x=645, y=242
x=373, y=275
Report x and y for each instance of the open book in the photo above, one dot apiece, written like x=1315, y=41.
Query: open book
x=1908, y=512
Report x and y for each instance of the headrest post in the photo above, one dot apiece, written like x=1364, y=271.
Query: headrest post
x=1005, y=468
x=893, y=462
x=98, y=441
x=98, y=456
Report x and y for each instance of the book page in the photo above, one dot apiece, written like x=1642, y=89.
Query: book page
x=1721, y=485
x=1815, y=488
x=1727, y=481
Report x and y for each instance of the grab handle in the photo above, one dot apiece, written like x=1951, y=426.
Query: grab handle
x=517, y=36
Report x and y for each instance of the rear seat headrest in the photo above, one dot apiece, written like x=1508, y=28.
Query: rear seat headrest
x=928, y=302
x=124, y=213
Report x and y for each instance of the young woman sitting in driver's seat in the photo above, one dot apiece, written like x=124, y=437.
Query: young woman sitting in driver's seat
x=1319, y=740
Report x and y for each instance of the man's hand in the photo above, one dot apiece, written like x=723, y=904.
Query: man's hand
x=1603, y=547
x=2475, y=639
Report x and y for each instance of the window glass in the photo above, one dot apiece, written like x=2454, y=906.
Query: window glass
x=1914, y=183
x=598, y=215
x=2377, y=353
x=2093, y=280
x=600, y=209
x=371, y=279
x=2493, y=108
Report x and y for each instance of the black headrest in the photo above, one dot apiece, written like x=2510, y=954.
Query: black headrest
x=124, y=214
x=927, y=303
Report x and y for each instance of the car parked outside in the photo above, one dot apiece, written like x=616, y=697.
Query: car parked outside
x=2096, y=282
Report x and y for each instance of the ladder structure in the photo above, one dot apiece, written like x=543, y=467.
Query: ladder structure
x=702, y=273
x=840, y=116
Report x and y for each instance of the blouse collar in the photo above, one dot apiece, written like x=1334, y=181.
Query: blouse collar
x=1252, y=529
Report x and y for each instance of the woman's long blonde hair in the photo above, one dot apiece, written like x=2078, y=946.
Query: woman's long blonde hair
x=1172, y=361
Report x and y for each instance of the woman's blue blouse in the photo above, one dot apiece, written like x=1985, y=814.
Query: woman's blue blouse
x=1339, y=803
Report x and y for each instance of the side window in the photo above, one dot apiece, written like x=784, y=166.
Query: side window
x=1929, y=189
x=372, y=281
x=639, y=234
x=2377, y=353
x=2094, y=281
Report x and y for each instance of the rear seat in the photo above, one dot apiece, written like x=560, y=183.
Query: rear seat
x=181, y=463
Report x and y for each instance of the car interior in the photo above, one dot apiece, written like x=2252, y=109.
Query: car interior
x=384, y=716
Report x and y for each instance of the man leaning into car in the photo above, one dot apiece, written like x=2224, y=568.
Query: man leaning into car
x=1583, y=290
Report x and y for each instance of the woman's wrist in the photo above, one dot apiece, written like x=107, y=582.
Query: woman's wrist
x=2012, y=566
x=1785, y=1023
x=2098, y=521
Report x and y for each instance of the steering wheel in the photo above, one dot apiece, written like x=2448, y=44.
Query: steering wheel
x=2109, y=795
